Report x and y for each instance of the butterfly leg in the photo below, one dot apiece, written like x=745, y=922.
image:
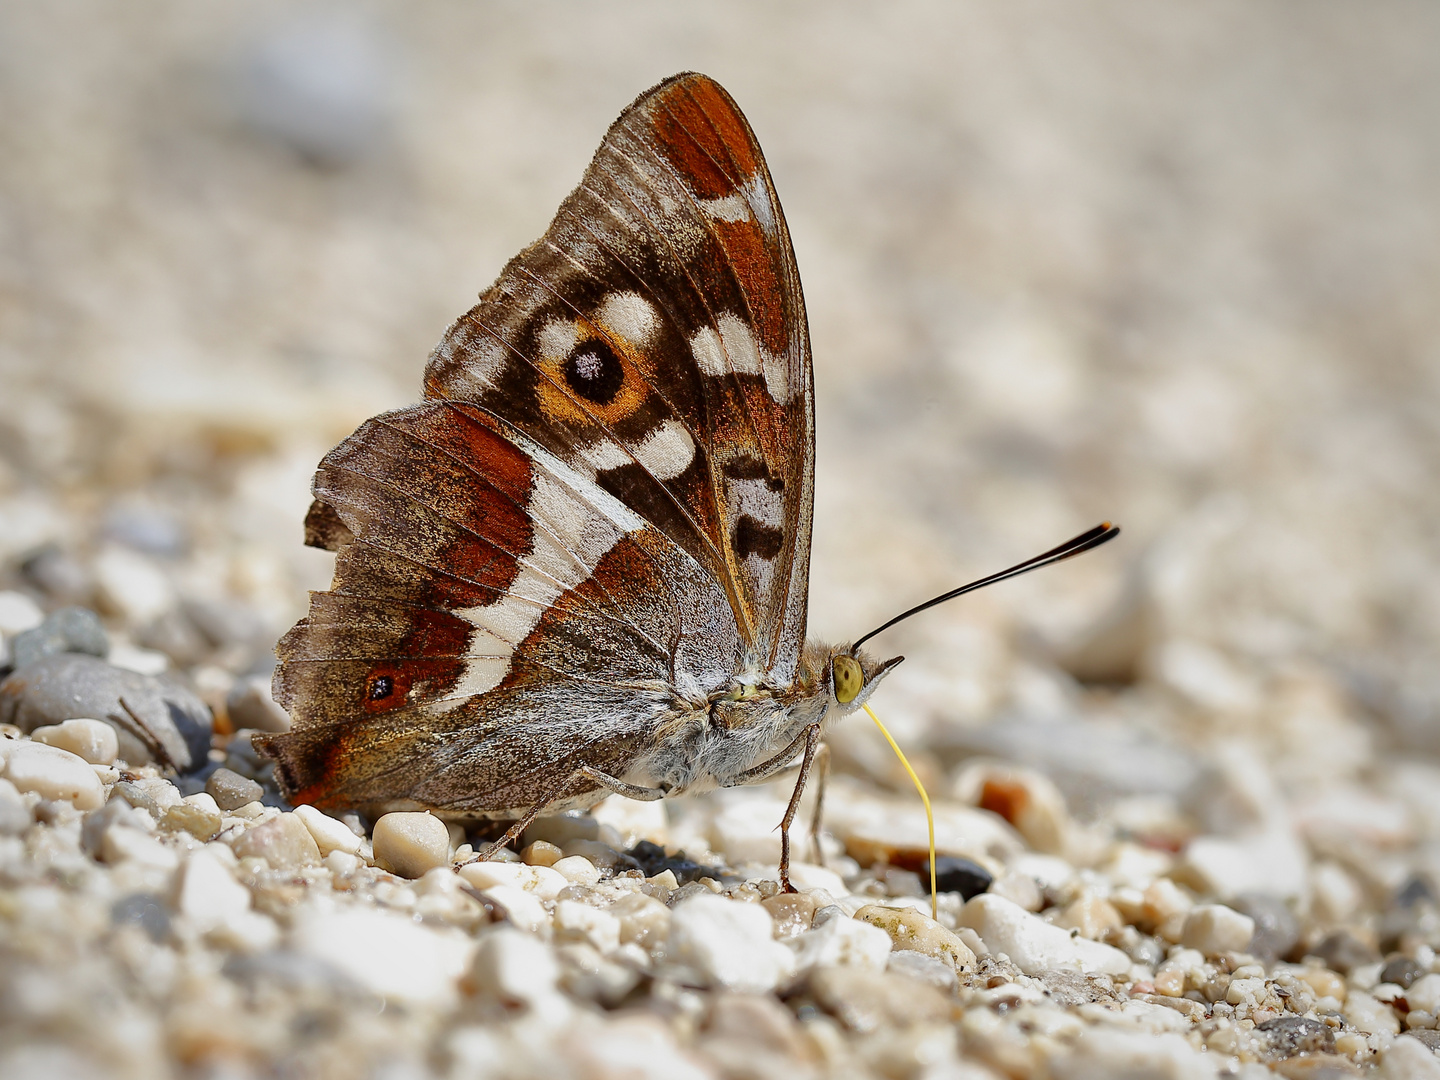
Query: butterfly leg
x=584, y=772
x=822, y=763
x=812, y=739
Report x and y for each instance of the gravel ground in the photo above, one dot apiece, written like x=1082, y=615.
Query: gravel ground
x=1172, y=265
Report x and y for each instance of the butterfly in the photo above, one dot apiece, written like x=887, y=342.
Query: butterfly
x=580, y=566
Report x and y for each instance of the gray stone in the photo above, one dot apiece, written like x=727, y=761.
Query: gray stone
x=164, y=722
x=1401, y=970
x=251, y=707
x=1276, y=928
x=1342, y=951
x=1286, y=1036
x=69, y=630
x=231, y=791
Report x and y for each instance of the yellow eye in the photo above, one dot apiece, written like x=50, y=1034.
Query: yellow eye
x=849, y=679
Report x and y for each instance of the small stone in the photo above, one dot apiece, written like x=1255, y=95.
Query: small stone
x=250, y=706
x=1034, y=945
x=922, y=968
x=231, y=791
x=577, y=869
x=599, y=854
x=388, y=954
x=866, y=1001
x=518, y=907
x=409, y=844
x=283, y=842
x=329, y=834
x=18, y=613
x=560, y=829
x=1276, y=928
x=909, y=929
x=123, y=844
x=1401, y=970
x=540, y=880
x=653, y=860
x=92, y=740
x=793, y=912
x=598, y=927
x=1424, y=994
x=1411, y=1057
x=198, y=815
x=1091, y=916
x=1020, y=889
x=52, y=773
x=1365, y=1013
x=729, y=943
x=1026, y=798
x=206, y=895
x=541, y=853
x=68, y=630
x=1286, y=1036
x=514, y=968
x=956, y=875
x=1214, y=928
x=1343, y=952
x=145, y=911
x=644, y=921
x=15, y=815
x=169, y=723
x=848, y=942
x=132, y=586
x=154, y=794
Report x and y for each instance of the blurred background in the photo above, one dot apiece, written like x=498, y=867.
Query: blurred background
x=1170, y=264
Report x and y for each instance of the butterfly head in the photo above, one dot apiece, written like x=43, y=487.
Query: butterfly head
x=852, y=676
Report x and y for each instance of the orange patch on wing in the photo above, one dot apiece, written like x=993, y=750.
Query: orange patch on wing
x=750, y=256
x=704, y=136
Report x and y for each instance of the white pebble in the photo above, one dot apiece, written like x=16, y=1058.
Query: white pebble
x=124, y=844
x=389, y=954
x=342, y=863
x=18, y=613
x=1407, y=1058
x=1424, y=994
x=53, y=773
x=730, y=943
x=543, y=881
x=841, y=942
x=522, y=908
x=249, y=931
x=1033, y=944
x=409, y=844
x=514, y=966
x=131, y=585
x=330, y=835
x=206, y=894
x=1215, y=928
x=575, y=921
x=577, y=869
x=93, y=740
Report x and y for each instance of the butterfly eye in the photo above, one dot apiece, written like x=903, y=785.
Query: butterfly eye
x=849, y=679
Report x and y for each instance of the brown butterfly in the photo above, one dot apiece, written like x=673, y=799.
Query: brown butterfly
x=581, y=565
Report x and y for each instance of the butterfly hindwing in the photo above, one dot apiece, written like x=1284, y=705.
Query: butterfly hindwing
x=601, y=515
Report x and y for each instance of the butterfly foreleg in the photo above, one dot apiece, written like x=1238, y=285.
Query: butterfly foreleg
x=812, y=740
x=584, y=772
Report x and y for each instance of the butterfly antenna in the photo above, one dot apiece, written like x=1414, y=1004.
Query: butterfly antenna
x=1086, y=541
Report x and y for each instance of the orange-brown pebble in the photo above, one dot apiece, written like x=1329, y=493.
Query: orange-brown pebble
x=1325, y=983
x=541, y=853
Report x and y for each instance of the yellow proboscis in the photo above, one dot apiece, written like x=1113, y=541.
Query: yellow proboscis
x=929, y=814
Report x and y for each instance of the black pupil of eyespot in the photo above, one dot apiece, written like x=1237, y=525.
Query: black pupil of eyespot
x=382, y=686
x=593, y=371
